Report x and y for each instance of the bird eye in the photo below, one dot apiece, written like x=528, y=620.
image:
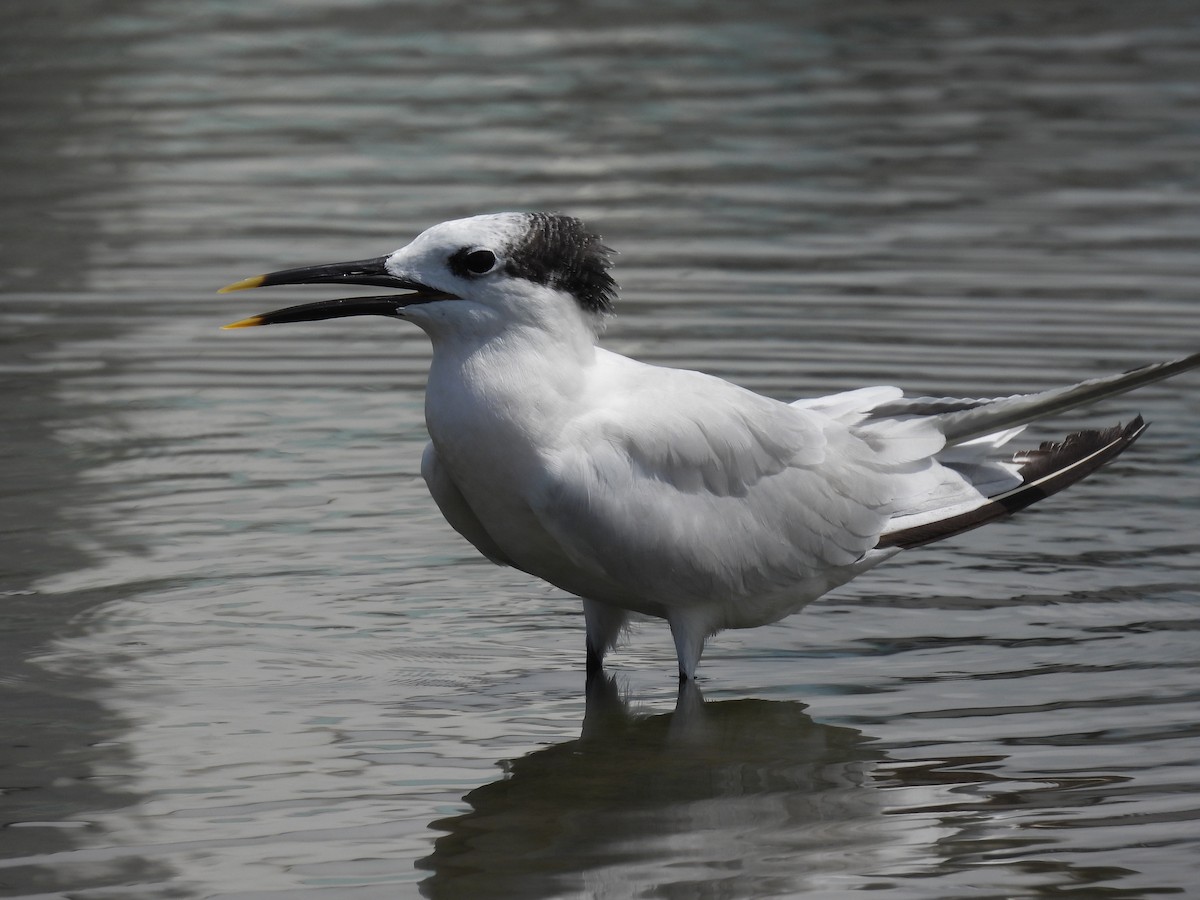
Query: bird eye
x=479, y=262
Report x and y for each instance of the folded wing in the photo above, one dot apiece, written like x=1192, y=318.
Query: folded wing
x=690, y=488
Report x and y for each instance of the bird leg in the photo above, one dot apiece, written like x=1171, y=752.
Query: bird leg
x=595, y=661
x=689, y=634
x=604, y=624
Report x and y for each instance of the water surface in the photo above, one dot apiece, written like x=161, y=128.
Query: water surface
x=242, y=657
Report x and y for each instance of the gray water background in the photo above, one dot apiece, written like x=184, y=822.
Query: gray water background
x=242, y=657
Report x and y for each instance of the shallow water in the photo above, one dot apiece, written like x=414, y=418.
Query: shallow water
x=242, y=657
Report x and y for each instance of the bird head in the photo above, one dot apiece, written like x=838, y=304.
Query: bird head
x=476, y=275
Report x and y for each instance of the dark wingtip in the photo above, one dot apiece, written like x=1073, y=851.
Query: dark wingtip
x=1050, y=468
x=1051, y=455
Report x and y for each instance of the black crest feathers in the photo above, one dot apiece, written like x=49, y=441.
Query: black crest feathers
x=560, y=252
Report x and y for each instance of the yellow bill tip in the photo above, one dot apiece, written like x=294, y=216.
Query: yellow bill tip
x=244, y=323
x=242, y=285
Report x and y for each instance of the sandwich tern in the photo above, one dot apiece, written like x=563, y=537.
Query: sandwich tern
x=668, y=492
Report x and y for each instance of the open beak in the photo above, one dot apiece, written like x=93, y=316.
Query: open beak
x=364, y=271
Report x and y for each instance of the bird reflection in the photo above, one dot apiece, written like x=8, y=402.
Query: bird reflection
x=752, y=794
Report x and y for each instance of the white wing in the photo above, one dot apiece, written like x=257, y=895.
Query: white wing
x=683, y=488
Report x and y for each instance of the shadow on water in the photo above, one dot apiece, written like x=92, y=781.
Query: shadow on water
x=750, y=794
x=61, y=757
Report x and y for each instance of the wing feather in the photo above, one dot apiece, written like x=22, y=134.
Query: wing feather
x=705, y=490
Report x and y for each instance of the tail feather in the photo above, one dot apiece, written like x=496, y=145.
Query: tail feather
x=1044, y=471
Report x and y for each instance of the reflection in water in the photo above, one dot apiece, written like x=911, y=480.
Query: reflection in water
x=750, y=794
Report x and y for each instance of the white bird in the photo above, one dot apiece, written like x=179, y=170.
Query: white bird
x=667, y=492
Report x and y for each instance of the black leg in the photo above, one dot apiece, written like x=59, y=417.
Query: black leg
x=595, y=662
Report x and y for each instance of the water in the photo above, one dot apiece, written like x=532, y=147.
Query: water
x=240, y=655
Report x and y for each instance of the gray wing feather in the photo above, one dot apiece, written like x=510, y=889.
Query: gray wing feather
x=964, y=420
x=711, y=490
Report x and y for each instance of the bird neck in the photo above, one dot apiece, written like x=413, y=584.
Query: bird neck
x=519, y=383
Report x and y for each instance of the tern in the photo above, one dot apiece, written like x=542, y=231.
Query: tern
x=667, y=492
